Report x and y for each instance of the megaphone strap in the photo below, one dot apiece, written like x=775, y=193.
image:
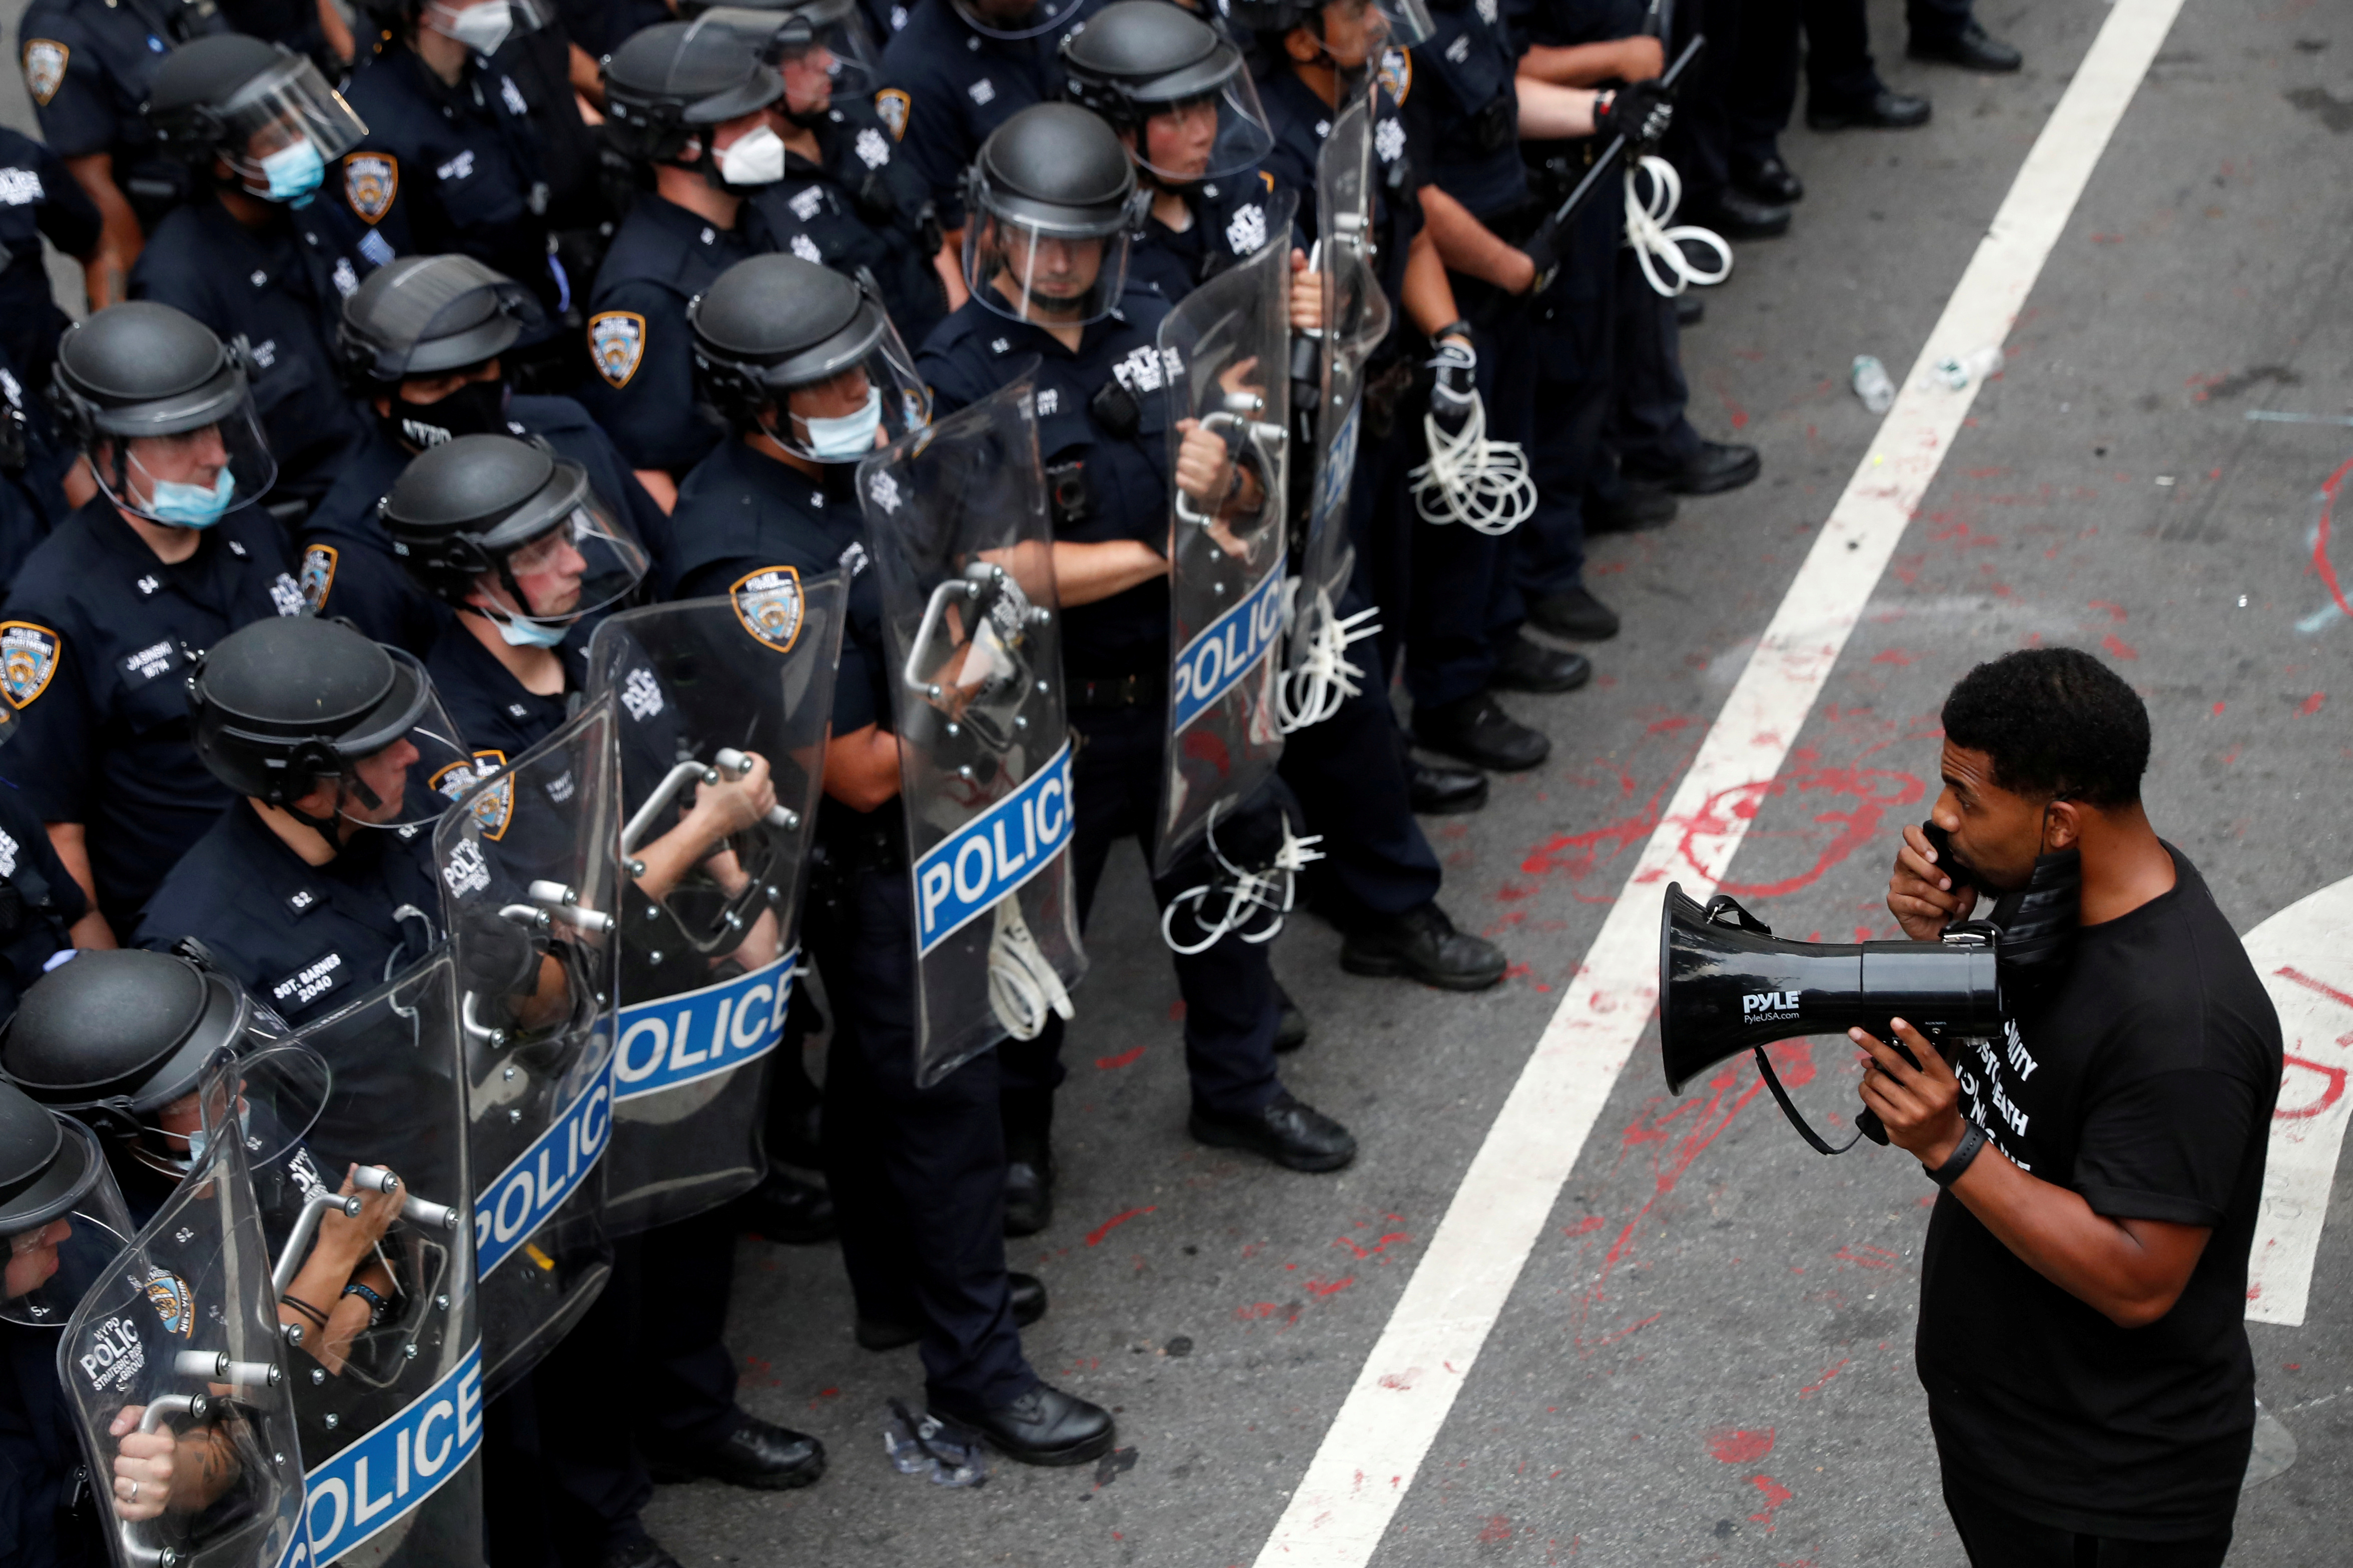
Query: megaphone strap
x=1789, y=1110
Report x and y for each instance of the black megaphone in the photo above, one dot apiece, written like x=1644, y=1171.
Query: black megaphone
x=1728, y=984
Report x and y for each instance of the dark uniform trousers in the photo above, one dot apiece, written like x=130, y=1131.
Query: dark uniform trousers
x=1229, y=990
x=1647, y=430
x=1571, y=325
x=917, y=1174
x=1838, y=67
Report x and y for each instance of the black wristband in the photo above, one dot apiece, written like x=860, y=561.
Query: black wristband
x=1965, y=1152
x=376, y=1304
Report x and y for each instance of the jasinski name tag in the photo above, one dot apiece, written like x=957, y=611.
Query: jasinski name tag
x=1227, y=650
x=680, y=1039
x=966, y=874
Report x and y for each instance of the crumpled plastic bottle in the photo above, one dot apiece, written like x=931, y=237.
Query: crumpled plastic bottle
x=1871, y=384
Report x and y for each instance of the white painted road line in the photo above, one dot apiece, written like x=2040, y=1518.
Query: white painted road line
x=1342, y=1508
x=2305, y=955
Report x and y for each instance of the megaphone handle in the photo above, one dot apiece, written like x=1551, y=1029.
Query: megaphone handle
x=1871, y=1127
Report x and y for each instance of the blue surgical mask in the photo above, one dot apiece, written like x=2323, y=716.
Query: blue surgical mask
x=191, y=506
x=847, y=438
x=530, y=634
x=294, y=172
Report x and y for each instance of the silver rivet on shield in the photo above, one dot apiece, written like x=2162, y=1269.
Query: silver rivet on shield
x=330, y=1420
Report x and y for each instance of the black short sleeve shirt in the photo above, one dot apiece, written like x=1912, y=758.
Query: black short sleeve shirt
x=2145, y=1082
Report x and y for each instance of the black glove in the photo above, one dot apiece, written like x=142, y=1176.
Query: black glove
x=496, y=958
x=1543, y=247
x=1455, y=387
x=1641, y=112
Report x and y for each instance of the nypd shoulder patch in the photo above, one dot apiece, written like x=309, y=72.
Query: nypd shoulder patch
x=28, y=658
x=769, y=604
x=318, y=576
x=371, y=181
x=617, y=342
x=494, y=808
x=1396, y=73
x=45, y=69
x=894, y=106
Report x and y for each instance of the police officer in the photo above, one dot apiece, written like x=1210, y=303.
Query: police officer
x=35, y=466
x=253, y=253
x=422, y=342
x=88, y=66
x=1054, y=197
x=102, y=624
x=848, y=199
x=44, y=914
x=957, y=69
x=688, y=101
x=1178, y=95
x=37, y=198
x=450, y=162
x=806, y=366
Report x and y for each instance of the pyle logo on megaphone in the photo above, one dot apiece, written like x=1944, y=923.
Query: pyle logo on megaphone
x=1768, y=1006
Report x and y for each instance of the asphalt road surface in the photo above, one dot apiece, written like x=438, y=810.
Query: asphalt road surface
x=1706, y=1356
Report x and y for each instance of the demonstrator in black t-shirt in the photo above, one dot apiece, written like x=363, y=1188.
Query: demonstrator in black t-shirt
x=2084, y=1285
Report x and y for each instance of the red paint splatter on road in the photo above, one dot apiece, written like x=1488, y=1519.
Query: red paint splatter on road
x=2118, y=647
x=1094, y=1237
x=1823, y=1380
x=1125, y=1059
x=1776, y=1494
x=2116, y=612
x=1874, y=790
x=1498, y=1529
x=2311, y=705
x=2320, y=562
x=1732, y=1446
x=1320, y=1288
x=2332, y=1090
x=1870, y=1257
x=1591, y=1222
x=1383, y=1244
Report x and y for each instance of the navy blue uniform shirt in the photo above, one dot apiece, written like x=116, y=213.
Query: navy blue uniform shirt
x=1465, y=99
x=445, y=169
x=90, y=65
x=33, y=466
x=281, y=289
x=96, y=639
x=864, y=205
x=37, y=198
x=302, y=937
x=662, y=257
x=947, y=85
x=1126, y=477
x=40, y=904
x=1228, y=226
x=348, y=568
x=1301, y=121
x=493, y=710
x=40, y=1461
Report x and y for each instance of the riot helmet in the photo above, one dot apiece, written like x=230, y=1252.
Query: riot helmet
x=423, y=334
x=805, y=356
x=1354, y=34
x=1017, y=20
x=121, y=1038
x=164, y=412
x=62, y=1218
x=482, y=25
x=818, y=47
x=313, y=719
x=504, y=529
x=260, y=108
x=1050, y=203
x=675, y=88
x=1172, y=86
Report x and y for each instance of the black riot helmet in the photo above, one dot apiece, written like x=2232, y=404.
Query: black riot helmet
x=164, y=411
x=668, y=86
x=1377, y=24
x=1050, y=203
x=776, y=324
x=62, y=1218
x=514, y=512
x=1142, y=60
x=425, y=315
x=288, y=705
x=818, y=46
x=261, y=105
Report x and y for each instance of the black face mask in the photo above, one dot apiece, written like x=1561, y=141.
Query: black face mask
x=2038, y=923
x=477, y=408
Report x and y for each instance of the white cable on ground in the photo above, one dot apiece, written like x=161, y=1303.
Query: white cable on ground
x=1654, y=242
x=1312, y=689
x=1022, y=985
x=1248, y=894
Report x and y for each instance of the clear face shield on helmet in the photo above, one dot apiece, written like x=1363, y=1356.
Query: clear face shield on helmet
x=820, y=51
x=842, y=414
x=288, y=125
x=389, y=772
x=1054, y=273
x=1209, y=134
x=1014, y=20
x=61, y=1231
x=186, y=477
x=563, y=555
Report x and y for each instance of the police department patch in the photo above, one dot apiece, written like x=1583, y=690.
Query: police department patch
x=617, y=340
x=769, y=604
x=493, y=809
x=894, y=105
x=28, y=656
x=371, y=180
x=318, y=576
x=1396, y=73
x=173, y=1300
x=45, y=69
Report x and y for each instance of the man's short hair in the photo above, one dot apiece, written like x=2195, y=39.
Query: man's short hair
x=2057, y=723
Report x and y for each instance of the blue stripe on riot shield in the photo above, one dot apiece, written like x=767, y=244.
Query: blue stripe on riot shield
x=1228, y=649
x=679, y=1039
x=372, y=1484
x=966, y=874
x=535, y=1185
x=1339, y=463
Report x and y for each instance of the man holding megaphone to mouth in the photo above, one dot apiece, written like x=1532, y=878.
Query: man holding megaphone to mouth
x=2098, y=1131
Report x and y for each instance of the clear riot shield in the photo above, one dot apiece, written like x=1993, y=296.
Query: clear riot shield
x=179, y=1384
x=710, y=693
x=388, y=1393
x=965, y=558
x=530, y=863
x=1356, y=321
x=1226, y=349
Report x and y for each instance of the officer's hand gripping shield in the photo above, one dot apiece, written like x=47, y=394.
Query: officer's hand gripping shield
x=1328, y=399
x=530, y=864
x=974, y=639
x=724, y=708
x=1728, y=984
x=1224, y=350
x=375, y=1194
x=179, y=1378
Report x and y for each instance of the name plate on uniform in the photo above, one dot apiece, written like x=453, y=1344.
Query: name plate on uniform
x=369, y=1486
x=1227, y=650
x=678, y=1039
x=535, y=1185
x=967, y=873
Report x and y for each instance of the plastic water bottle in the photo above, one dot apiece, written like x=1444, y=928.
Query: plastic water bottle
x=1870, y=384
